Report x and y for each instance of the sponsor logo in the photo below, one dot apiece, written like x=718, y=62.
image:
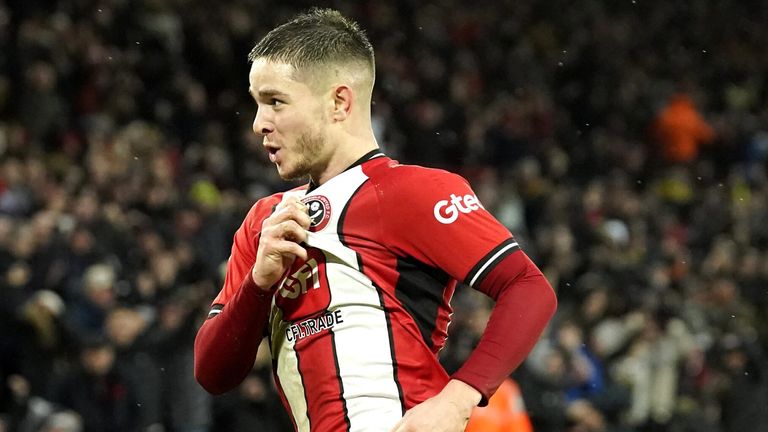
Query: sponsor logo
x=319, y=211
x=447, y=211
x=312, y=326
x=304, y=291
x=301, y=280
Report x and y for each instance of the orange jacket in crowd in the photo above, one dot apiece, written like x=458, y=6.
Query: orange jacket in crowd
x=505, y=412
x=680, y=130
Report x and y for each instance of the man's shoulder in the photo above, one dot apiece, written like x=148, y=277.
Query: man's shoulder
x=393, y=174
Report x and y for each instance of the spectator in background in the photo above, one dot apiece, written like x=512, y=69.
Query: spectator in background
x=650, y=369
x=744, y=393
x=543, y=384
x=252, y=407
x=505, y=412
x=680, y=130
x=125, y=329
x=93, y=304
x=99, y=392
x=43, y=339
x=186, y=406
x=66, y=421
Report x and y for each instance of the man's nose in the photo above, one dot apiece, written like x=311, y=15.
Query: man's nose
x=262, y=125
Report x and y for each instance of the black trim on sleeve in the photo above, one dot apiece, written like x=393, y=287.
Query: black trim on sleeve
x=215, y=310
x=485, y=264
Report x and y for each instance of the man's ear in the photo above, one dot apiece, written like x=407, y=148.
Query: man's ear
x=343, y=100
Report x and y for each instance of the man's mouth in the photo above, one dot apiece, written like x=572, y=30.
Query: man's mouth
x=273, y=151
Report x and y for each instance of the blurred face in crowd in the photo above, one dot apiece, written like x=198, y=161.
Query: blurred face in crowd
x=291, y=117
x=555, y=364
x=98, y=360
x=124, y=326
x=103, y=297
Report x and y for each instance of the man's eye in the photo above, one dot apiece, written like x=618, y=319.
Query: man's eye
x=276, y=102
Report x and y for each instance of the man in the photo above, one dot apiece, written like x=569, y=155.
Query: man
x=351, y=275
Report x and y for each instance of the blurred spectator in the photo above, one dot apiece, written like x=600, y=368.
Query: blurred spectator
x=505, y=412
x=680, y=130
x=124, y=328
x=99, y=392
x=253, y=407
x=66, y=421
x=44, y=339
x=186, y=406
x=744, y=394
x=91, y=306
x=650, y=369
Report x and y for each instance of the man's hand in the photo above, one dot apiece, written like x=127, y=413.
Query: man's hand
x=281, y=234
x=448, y=411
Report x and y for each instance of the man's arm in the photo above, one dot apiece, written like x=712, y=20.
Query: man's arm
x=525, y=302
x=446, y=227
x=227, y=342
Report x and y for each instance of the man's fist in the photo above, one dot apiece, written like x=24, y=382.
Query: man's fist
x=279, y=242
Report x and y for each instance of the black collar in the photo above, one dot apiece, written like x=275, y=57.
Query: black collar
x=366, y=157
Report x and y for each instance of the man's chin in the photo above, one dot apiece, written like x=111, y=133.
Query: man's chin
x=291, y=174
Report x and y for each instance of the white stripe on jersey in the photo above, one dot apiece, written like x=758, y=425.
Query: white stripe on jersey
x=362, y=349
x=490, y=261
x=361, y=341
x=291, y=383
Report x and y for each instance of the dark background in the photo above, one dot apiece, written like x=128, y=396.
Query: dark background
x=127, y=161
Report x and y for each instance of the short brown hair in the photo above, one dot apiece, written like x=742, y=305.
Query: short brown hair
x=318, y=37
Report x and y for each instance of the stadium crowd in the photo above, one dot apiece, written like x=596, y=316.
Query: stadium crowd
x=623, y=143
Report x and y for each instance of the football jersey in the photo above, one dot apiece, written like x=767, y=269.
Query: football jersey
x=356, y=327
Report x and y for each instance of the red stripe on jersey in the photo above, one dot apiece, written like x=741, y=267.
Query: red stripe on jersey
x=420, y=375
x=417, y=370
x=326, y=410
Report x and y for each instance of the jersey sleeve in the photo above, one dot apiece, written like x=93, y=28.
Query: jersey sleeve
x=243, y=254
x=435, y=217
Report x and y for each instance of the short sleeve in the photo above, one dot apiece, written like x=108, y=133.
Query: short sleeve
x=435, y=216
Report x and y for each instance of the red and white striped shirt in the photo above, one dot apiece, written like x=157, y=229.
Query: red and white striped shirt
x=355, y=329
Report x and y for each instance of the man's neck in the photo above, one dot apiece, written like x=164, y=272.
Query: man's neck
x=350, y=145
x=350, y=160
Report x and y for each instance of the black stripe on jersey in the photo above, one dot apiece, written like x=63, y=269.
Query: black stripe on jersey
x=340, y=226
x=343, y=216
x=484, y=265
x=215, y=310
x=341, y=384
x=379, y=291
x=391, y=347
x=420, y=289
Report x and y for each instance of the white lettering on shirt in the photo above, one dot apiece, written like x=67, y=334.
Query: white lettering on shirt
x=447, y=211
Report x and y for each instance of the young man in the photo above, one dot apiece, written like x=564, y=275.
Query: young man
x=351, y=275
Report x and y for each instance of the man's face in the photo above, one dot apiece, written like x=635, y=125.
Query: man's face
x=290, y=118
